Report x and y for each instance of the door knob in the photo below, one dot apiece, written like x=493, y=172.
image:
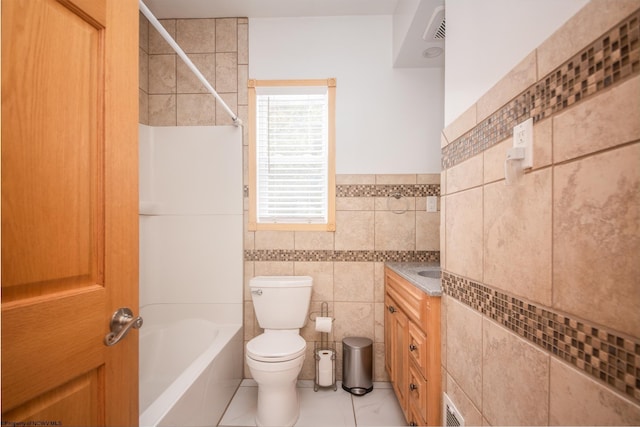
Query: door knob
x=121, y=323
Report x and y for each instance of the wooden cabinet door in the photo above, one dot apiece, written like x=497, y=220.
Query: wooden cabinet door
x=396, y=332
x=418, y=394
x=433, y=361
x=69, y=210
x=389, y=350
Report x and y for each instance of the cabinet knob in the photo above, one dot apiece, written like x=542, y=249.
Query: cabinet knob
x=392, y=309
x=412, y=347
x=413, y=423
x=412, y=387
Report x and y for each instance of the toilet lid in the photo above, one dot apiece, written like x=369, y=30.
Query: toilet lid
x=276, y=347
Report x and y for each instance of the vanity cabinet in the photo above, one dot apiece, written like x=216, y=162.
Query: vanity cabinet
x=412, y=349
x=397, y=341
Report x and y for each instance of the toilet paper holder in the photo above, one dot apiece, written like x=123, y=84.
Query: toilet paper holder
x=325, y=356
x=324, y=312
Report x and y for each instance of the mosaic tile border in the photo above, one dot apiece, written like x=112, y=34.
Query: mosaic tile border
x=604, y=355
x=612, y=58
x=387, y=190
x=380, y=190
x=339, y=256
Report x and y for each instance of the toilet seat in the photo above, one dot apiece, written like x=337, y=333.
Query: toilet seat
x=270, y=347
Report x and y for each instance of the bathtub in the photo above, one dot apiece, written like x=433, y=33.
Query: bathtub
x=190, y=365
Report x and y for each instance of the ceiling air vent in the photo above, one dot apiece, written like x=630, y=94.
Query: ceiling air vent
x=435, y=30
x=439, y=35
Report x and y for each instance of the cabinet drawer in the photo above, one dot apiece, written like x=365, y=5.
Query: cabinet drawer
x=410, y=299
x=417, y=392
x=414, y=418
x=418, y=349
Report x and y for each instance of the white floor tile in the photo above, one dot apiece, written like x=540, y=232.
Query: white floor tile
x=325, y=407
x=242, y=409
x=378, y=408
x=379, y=385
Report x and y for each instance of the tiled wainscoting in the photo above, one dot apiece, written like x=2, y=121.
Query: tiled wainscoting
x=602, y=353
x=373, y=226
x=541, y=323
x=612, y=58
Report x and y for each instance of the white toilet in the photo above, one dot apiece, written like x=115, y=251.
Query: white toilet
x=275, y=358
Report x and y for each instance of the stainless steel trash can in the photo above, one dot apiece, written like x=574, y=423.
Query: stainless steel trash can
x=357, y=365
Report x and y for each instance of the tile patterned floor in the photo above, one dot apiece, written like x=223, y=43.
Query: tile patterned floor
x=323, y=408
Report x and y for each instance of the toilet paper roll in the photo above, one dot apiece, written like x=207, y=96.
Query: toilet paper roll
x=325, y=368
x=323, y=324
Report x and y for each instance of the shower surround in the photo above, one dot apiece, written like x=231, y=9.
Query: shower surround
x=191, y=221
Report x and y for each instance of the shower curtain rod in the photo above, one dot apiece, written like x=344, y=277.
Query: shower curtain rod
x=165, y=35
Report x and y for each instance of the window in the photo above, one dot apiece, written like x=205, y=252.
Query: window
x=291, y=154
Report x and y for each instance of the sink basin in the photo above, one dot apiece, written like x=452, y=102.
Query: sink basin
x=433, y=274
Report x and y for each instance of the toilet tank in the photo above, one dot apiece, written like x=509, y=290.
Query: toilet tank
x=281, y=302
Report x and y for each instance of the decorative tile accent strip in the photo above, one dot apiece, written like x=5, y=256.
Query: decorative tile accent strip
x=356, y=190
x=373, y=190
x=407, y=256
x=613, y=58
x=606, y=356
x=387, y=190
x=340, y=256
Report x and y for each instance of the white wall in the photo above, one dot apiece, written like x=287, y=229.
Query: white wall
x=402, y=19
x=388, y=120
x=486, y=39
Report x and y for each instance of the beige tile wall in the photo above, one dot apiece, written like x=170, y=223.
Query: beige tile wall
x=354, y=290
x=171, y=94
x=566, y=239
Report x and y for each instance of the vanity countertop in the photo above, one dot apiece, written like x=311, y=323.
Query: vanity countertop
x=409, y=271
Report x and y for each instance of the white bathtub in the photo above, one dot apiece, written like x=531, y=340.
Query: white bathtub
x=190, y=364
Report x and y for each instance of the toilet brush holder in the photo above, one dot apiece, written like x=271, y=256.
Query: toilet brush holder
x=325, y=358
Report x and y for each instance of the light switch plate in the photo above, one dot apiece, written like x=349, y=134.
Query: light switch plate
x=432, y=203
x=523, y=138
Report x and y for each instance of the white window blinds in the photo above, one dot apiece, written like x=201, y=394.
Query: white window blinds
x=292, y=155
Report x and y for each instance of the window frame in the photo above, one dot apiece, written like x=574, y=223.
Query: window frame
x=253, y=224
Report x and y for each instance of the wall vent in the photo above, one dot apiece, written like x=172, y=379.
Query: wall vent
x=440, y=32
x=450, y=414
x=435, y=30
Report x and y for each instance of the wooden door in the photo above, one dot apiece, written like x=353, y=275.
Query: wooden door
x=69, y=210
